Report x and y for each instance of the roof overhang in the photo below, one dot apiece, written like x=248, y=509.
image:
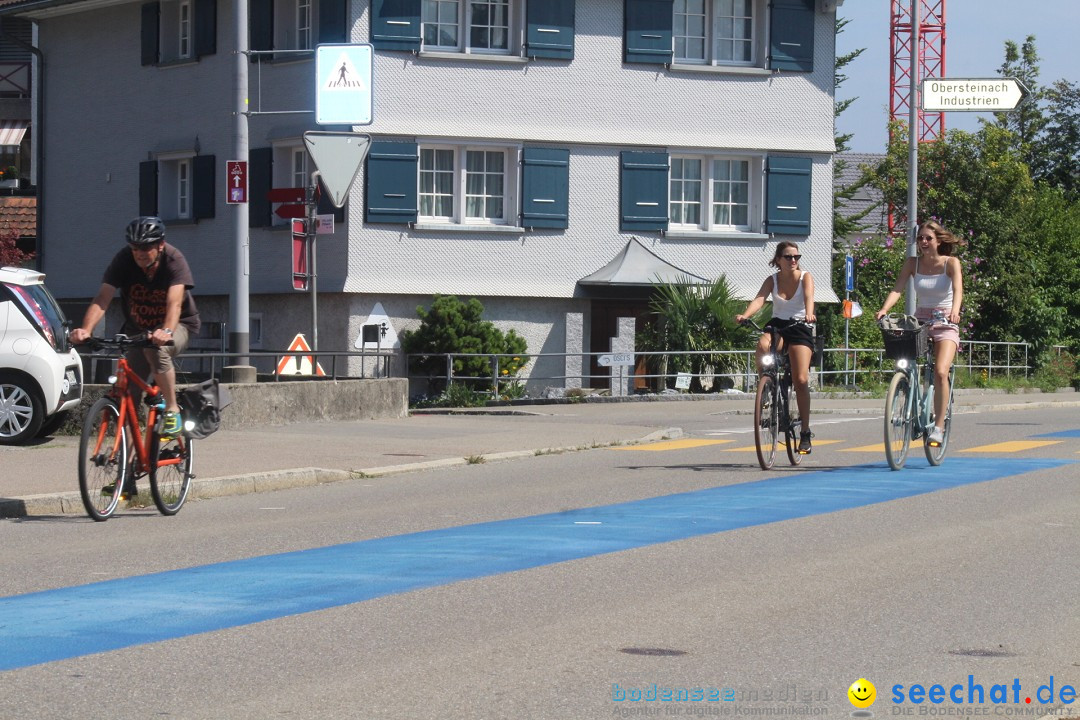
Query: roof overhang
x=638, y=266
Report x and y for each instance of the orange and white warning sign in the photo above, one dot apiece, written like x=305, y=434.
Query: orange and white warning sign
x=299, y=364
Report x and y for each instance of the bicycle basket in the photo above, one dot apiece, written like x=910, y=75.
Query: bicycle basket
x=202, y=405
x=904, y=337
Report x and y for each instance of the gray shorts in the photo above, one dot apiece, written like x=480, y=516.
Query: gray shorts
x=158, y=359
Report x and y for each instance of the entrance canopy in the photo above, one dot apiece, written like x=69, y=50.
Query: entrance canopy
x=12, y=131
x=637, y=265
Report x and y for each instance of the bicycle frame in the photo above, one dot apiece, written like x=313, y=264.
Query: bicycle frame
x=912, y=418
x=129, y=416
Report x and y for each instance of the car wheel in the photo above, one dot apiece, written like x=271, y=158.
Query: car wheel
x=21, y=409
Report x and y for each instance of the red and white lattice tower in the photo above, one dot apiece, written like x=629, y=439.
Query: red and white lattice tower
x=931, y=64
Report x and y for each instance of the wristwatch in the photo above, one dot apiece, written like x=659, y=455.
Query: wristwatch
x=167, y=331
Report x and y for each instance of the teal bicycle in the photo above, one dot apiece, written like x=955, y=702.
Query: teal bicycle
x=909, y=402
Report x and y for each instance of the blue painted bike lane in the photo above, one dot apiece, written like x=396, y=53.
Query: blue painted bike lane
x=73, y=621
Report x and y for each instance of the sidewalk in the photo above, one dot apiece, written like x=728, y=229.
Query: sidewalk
x=42, y=479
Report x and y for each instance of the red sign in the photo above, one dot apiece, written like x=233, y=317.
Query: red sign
x=299, y=255
x=286, y=195
x=291, y=210
x=236, y=182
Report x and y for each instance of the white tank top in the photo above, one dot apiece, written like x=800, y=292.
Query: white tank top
x=933, y=291
x=793, y=308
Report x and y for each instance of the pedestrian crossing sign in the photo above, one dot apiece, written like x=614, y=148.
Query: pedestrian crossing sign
x=343, y=84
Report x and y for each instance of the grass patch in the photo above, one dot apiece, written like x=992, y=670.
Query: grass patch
x=475, y=459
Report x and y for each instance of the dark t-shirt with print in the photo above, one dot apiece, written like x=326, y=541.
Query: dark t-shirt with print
x=143, y=298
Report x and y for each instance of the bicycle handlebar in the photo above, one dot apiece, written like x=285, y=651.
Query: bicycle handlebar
x=751, y=323
x=120, y=341
x=922, y=323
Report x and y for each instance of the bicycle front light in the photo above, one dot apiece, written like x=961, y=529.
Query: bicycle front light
x=113, y=379
x=189, y=425
x=768, y=361
x=901, y=364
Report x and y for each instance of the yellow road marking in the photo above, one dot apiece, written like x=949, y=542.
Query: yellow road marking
x=673, y=445
x=879, y=448
x=1012, y=446
x=753, y=448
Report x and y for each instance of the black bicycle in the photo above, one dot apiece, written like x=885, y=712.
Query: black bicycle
x=775, y=408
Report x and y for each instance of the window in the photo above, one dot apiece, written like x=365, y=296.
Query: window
x=464, y=185
x=712, y=193
x=718, y=32
x=293, y=25
x=178, y=30
x=471, y=26
x=296, y=25
x=178, y=186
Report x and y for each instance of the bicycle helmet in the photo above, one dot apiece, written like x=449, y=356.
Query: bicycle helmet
x=145, y=230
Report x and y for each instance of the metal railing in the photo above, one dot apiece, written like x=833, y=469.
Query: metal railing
x=848, y=367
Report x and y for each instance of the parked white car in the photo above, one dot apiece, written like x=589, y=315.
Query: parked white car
x=40, y=374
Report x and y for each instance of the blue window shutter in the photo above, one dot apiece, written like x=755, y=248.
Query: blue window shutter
x=332, y=21
x=151, y=19
x=204, y=182
x=148, y=172
x=643, y=191
x=545, y=188
x=205, y=36
x=791, y=36
x=261, y=24
x=390, y=195
x=788, y=196
x=550, y=29
x=260, y=165
x=395, y=25
x=648, y=31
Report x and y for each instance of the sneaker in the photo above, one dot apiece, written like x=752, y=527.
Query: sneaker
x=804, y=443
x=170, y=425
x=936, y=437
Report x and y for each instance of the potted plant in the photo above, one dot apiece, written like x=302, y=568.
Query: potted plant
x=9, y=177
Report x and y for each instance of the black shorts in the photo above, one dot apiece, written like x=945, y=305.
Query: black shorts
x=793, y=332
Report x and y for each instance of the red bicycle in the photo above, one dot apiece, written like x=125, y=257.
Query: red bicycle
x=115, y=450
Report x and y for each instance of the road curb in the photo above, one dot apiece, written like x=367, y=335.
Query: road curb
x=70, y=503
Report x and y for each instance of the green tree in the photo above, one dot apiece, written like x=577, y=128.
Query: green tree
x=843, y=225
x=453, y=326
x=1027, y=120
x=694, y=317
x=1058, y=160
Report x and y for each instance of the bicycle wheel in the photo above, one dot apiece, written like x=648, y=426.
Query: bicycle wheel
x=793, y=426
x=171, y=471
x=897, y=420
x=102, y=459
x=765, y=421
x=935, y=455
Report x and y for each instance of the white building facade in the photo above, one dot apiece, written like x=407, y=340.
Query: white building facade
x=517, y=147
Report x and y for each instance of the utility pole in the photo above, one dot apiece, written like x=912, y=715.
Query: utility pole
x=239, y=311
x=913, y=155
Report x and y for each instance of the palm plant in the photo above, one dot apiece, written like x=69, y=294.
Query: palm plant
x=696, y=317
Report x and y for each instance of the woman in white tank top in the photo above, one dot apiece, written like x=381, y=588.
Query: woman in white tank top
x=939, y=288
x=792, y=293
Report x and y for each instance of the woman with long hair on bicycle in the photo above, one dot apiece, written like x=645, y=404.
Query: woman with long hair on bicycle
x=939, y=288
x=792, y=292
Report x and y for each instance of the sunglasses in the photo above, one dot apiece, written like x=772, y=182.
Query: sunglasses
x=796, y=258
x=926, y=237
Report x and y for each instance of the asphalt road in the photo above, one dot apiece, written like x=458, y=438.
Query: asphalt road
x=963, y=575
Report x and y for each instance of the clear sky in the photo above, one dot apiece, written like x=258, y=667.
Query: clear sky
x=975, y=35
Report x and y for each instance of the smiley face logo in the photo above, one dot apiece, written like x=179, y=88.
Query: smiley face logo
x=862, y=693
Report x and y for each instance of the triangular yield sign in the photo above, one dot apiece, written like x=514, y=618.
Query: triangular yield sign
x=337, y=157
x=299, y=364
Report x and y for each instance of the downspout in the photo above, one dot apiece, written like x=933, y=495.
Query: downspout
x=37, y=88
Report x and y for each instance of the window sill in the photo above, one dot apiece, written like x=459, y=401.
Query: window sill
x=722, y=69
x=472, y=57
x=178, y=62
x=468, y=228
x=714, y=235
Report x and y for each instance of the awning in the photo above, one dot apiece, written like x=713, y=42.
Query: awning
x=638, y=265
x=12, y=131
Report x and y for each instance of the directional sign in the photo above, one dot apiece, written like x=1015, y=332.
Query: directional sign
x=971, y=94
x=343, y=84
x=236, y=185
x=615, y=359
x=291, y=210
x=300, y=275
x=338, y=157
x=286, y=195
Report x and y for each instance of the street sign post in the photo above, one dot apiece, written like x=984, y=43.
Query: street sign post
x=971, y=94
x=236, y=187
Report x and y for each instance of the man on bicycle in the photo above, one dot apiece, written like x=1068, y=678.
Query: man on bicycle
x=155, y=283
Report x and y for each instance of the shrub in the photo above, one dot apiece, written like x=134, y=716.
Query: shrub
x=451, y=326
x=1057, y=370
